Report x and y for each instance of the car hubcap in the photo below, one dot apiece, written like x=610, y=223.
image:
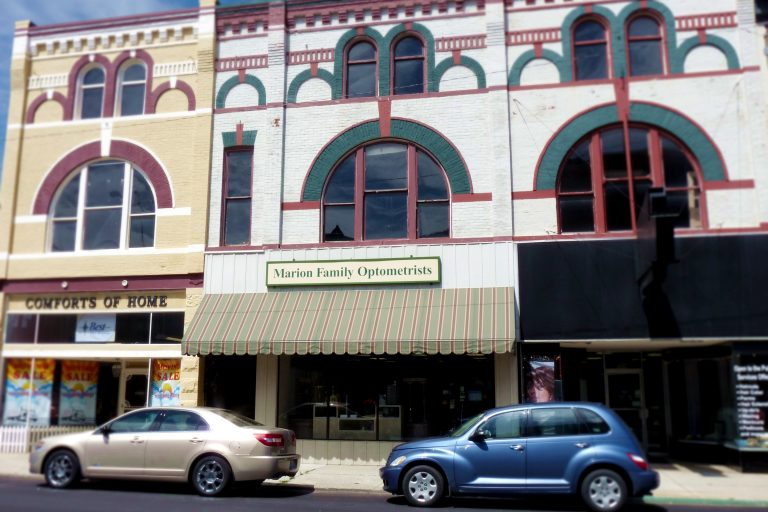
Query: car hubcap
x=422, y=487
x=60, y=470
x=210, y=477
x=604, y=492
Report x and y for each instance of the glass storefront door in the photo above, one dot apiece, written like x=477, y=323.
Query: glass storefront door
x=624, y=389
x=134, y=388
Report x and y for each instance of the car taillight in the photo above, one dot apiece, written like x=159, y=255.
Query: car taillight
x=270, y=439
x=638, y=460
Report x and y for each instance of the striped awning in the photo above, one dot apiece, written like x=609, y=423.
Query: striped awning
x=402, y=321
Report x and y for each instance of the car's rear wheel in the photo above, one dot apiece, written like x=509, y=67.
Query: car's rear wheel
x=423, y=486
x=603, y=490
x=62, y=469
x=211, y=475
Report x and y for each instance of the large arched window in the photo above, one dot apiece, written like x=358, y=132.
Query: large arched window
x=387, y=190
x=602, y=186
x=361, y=64
x=408, y=66
x=590, y=50
x=91, y=93
x=644, y=42
x=105, y=205
x=131, y=86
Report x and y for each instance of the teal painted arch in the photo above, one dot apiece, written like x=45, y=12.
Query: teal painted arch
x=659, y=10
x=226, y=88
x=385, y=61
x=465, y=61
x=517, y=68
x=692, y=136
x=567, y=26
x=440, y=148
x=304, y=77
x=338, y=56
x=718, y=42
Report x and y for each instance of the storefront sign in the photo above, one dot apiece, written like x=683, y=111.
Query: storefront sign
x=751, y=386
x=28, y=400
x=353, y=272
x=166, y=382
x=77, y=303
x=95, y=328
x=77, y=396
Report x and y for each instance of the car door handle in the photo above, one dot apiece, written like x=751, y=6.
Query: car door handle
x=582, y=445
x=195, y=440
x=137, y=440
x=517, y=447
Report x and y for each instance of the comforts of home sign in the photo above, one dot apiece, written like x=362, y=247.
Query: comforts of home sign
x=349, y=272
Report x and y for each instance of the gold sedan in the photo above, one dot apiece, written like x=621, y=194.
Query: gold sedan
x=207, y=447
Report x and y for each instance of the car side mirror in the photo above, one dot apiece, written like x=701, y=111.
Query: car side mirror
x=480, y=435
x=105, y=430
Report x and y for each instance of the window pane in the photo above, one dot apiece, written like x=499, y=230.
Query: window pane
x=167, y=327
x=339, y=223
x=577, y=171
x=409, y=76
x=66, y=203
x=64, y=236
x=182, y=421
x=409, y=47
x=142, y=199
x=617, y=207
x=643, y=26
x=142, y=231
x=386, y=167
x=614, y=159
x=239, y=173
x=589, y=31
x=132, y=328
x=237, y=222
x=641, y=195
x=576, y=214
x=592, y=423
x=140, y=421
x=433, y=220
x=591, y=62
x=641, y=161
x=132, y=100
x=57, y=329
x=361, y=80
x=105, y=184
x=386, y=216
x=362, y=51
x=341, y=187
x=94, y=76
x=554, y=422
x=508, y=425
x=645, y=58
x=20, y=329
x=431, y=178
x=678, y=170
x=133, y=73
x=102, y=229
x=92, y=99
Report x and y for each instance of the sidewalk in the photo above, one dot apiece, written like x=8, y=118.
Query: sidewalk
x=680, y=482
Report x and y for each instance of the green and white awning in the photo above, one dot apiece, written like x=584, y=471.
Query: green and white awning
x=402, y=321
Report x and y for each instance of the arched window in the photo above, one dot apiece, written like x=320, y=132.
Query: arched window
x=645, y=46
x=387, y=190
x=361, y=70
x=105, y=205
x=132, y=84
x=408, y=66
x=91, y=93
x=602, y=187
x=590, y=50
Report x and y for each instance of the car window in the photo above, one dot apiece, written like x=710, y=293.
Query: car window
x=592, y=423
x=548, y=422
x=236, y=418
x=505, y=425
x=140, y=421
x=182, y=421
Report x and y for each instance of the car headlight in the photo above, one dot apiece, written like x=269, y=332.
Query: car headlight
x=398, y=461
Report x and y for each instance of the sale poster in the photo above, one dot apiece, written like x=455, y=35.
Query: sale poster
x=28, y=397
x=166, y=382
x=77, y=396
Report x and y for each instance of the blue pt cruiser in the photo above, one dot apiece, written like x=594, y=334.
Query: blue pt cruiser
x=573, y=448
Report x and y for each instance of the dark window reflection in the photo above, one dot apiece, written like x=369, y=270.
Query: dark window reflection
x=339, y=223
x=102, y=229
x=237, y=221
x=64, y=236
x=57, y=328
x=432, y=183
x=239, y=173
x=576, y=214
x=167, y=327
x=433, y=220
x=105, y=184
x=386, y=167
x=142, y=231
x=577, y=172
x=409, y=76
x=20, y=328
x=66, y=203
x=645, y=58
x=614, y=158
x=386, y=216
x=617, y=210
x=341, y=187
x=132, y=328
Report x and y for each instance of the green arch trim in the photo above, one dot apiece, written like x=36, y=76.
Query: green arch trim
x=619, y=33
x=711, y=40
x=689, y=134
x=338, y=59
x=570, y=20
x=465, y=61
x=221, y=97
x=517, y=68
x=304, y=77
x=386, y=50
x=443, y=151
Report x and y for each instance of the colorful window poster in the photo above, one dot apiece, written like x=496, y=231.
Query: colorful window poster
x=20, y=407
x=166, y=382
x=77, y=396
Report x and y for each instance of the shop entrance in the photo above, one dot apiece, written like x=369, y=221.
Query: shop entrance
x=134, y=388
x=624, y=389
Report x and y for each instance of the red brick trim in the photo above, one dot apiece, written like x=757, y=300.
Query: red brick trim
x=37, y=102
x=165, y=87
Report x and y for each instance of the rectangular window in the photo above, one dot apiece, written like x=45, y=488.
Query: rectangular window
x=236, y=214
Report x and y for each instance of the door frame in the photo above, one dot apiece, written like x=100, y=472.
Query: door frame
x=125, y=375
x=642, y=410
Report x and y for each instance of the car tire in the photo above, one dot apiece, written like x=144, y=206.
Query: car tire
x=604, y=490
x=211, y=475
x=423, y=486
x=61, y=469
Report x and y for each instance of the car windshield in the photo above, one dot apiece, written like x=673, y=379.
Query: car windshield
x=236, y=418
x=464, y=427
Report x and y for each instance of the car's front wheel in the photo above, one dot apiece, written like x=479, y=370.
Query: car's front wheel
x=62, y=469
x=603, y=490
x=423, y=486
x=211, y=475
